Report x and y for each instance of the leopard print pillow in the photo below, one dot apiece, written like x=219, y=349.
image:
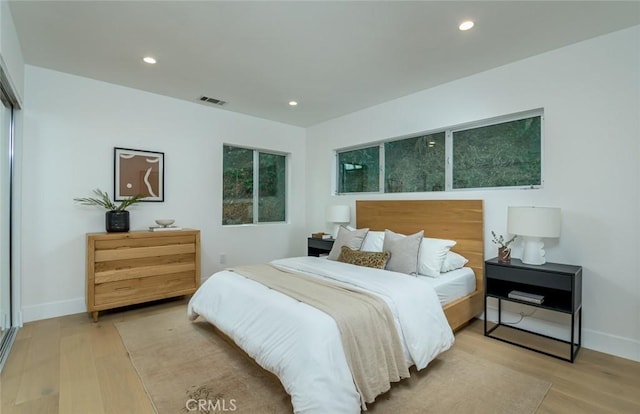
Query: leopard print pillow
x=377, y=260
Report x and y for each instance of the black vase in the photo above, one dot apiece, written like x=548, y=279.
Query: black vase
x=117, y=221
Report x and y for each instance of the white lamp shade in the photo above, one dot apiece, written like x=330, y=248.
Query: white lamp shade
x=338, y=214
x=534, y=221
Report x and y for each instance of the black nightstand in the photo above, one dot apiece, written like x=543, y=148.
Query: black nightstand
x=559, y=284
x=318, y=247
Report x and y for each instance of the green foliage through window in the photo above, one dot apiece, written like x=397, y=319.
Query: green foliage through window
x=415, y=164
x=359, y=170
x=502, y=153
x=271, y=196
x=239, y=194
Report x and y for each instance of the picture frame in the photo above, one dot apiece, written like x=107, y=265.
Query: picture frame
x=138, y=172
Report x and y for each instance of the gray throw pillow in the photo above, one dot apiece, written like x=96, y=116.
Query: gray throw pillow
x=351, y=238
x=404, y=251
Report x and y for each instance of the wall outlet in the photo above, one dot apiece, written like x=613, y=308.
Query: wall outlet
x=223, y=258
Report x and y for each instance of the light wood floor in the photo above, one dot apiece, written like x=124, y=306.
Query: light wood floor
x=71, y=365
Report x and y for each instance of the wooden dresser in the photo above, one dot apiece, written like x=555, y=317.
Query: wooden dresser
x=140, y=266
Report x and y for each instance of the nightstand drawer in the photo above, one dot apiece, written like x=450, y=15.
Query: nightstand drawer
x=530, y=277
x=325, y=244
x=319, y=247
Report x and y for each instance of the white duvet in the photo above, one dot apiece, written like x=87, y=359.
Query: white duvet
x=301, y=344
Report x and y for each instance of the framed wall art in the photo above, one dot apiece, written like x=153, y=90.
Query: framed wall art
x=138, y=172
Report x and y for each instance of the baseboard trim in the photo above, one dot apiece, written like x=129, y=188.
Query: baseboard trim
x=612, y=344
x=53, y=309
x=550, y=328
x=619, y=346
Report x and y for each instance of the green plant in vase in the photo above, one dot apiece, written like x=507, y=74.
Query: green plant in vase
x=117, y=216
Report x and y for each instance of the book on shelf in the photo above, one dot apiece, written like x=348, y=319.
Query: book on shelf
x=323, y=236
x=164, y=228
x=526, y=297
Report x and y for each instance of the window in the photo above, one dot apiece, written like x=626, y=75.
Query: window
x=415, y=164
x=504, y=152
x=246, y=203
x=500, y=155
x=359, y=170
x=271, y=197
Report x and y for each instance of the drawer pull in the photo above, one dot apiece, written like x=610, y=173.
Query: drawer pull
x=124, y=288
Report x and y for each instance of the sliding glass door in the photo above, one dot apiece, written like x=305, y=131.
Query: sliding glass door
x=7, y=330
x=6, y=157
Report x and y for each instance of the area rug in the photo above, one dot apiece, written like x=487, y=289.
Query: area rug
x=187, y=367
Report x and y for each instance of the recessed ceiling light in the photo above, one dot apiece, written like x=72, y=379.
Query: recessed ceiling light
x=293, y=103
x=466, y=25
x=149, y=60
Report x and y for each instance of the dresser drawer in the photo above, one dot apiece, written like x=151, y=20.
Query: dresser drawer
x=129, y=273
x=144, y=289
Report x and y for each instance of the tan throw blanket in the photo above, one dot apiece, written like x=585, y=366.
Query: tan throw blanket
x=369, y=336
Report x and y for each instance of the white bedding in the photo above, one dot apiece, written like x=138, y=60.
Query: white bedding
x=302, y=345
x=452, y=285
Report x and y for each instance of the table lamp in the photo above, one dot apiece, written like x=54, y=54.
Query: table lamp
x=338, y=215
x=533, y=224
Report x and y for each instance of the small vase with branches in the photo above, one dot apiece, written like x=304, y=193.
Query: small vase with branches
x=117, y=216
x=504, y=251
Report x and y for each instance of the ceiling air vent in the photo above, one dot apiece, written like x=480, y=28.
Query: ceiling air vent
x=212, y=100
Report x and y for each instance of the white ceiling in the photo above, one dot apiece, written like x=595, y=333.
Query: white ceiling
x=332, y=57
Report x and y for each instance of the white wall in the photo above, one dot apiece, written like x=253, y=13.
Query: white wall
x=590, y=93
x=10, y=52
x=72, y=125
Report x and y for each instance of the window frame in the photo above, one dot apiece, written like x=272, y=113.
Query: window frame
x=449, y=161
x=336, y=182
x=412, y=136
x=255, y=199
x=490, y=122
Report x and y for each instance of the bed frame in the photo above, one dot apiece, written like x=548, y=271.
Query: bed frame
x=459, y=220
x=462, y=221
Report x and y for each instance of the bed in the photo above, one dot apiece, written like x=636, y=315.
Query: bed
x=301, y=345
x=452, y=285
x=459, y=220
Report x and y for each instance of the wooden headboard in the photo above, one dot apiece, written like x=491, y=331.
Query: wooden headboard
x=459, y=220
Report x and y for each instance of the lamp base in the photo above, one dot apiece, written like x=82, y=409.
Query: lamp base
x=533, y=252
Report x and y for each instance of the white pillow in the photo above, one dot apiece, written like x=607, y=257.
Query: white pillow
x=404, y=251
x=453, y=261
x=432, y=255
x=373, y=242
x=351, y=239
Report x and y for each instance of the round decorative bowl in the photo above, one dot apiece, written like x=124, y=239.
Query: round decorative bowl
x=165, y=222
